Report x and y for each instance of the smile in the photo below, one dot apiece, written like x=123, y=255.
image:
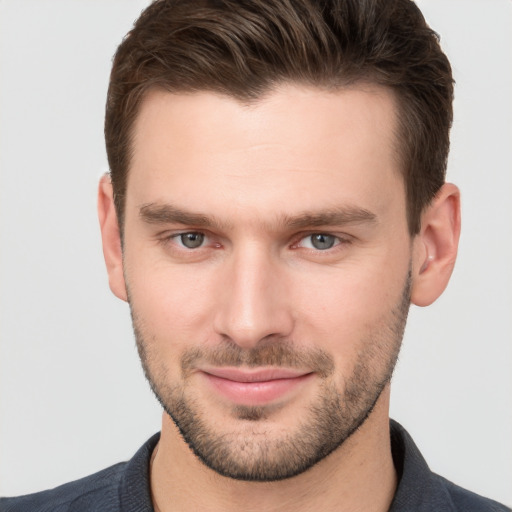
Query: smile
x=255, y=387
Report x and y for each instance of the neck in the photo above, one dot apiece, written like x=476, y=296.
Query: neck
x=358, y=476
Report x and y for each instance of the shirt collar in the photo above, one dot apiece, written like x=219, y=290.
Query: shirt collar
x=418, y=488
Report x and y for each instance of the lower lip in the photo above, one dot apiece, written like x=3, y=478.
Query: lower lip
x=255, y=393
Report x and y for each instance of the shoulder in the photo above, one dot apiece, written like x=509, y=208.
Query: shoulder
x=94, y=492
x=420, y=489
x=124, y=486
x=467, y=501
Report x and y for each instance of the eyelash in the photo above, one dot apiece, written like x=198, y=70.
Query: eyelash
x=339, y=241
x=335, y=239
x=175, y=238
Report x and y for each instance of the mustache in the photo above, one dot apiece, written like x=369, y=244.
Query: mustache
x=277, y=354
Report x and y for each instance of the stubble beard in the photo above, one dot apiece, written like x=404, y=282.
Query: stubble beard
x=250, y=451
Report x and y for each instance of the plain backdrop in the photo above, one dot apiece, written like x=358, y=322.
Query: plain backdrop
x=73, y=399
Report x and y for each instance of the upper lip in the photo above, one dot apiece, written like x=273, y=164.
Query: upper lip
x=254, y=375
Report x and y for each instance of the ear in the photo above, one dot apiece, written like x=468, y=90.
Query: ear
x=111, y=237
x=435, y=247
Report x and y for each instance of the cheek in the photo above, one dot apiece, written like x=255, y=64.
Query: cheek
x=173, y=302
x=350, y=306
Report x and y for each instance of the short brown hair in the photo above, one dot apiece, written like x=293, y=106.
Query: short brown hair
x=245, y=48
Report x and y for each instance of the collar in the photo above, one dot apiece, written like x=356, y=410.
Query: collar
x=418, y=488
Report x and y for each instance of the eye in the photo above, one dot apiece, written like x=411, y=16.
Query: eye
x=319, y=241
x=191, y=240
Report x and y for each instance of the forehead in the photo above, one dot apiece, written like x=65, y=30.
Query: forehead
x=299, y=145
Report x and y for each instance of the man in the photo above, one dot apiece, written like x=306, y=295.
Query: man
x=276, y=201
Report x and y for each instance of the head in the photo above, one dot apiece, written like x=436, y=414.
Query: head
x=277, y=175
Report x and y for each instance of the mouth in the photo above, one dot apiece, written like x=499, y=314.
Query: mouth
x=253, y=387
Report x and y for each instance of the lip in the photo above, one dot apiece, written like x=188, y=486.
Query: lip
x=258, y=386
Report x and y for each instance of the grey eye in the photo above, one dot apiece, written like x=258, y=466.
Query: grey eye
x=192, y=240
x=321, y=241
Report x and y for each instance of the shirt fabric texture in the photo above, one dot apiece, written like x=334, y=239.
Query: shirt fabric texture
x=125, y=487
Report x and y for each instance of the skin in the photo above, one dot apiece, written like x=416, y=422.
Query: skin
x=262, y=175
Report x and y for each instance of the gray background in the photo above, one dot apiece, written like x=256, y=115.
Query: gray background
x=73, y=399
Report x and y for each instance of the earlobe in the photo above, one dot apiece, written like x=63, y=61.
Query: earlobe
x=435, y=247
x=111, y=237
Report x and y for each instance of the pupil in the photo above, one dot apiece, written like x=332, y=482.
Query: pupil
x=322, y=242
x=192, y=240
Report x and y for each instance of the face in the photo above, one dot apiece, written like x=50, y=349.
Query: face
x=267, y=263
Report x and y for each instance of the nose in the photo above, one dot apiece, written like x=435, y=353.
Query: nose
x=253, y=303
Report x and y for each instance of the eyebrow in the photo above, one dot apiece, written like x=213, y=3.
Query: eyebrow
x=154, y=213
x=168, y=214
x=332, y=217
